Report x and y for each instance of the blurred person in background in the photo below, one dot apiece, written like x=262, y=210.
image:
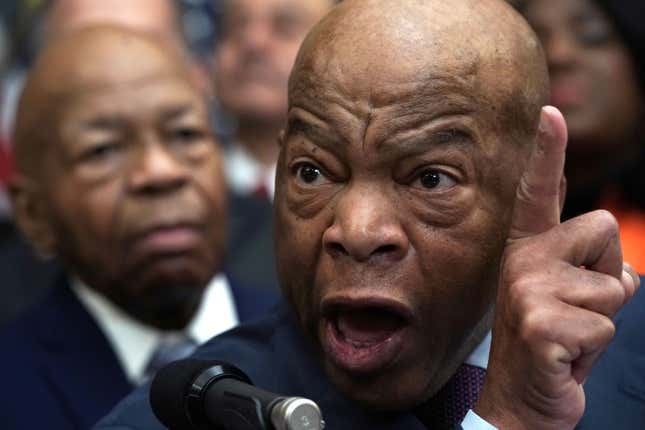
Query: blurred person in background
x=258, y=44
x=119, y=175
x=26, y=276
x=596, y=56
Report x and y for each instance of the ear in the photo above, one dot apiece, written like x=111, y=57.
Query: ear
x=281, y=139
x=31, y=215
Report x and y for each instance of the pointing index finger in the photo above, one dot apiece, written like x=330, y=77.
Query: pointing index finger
x=537, y=201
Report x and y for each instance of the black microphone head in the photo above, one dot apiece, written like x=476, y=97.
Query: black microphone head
x=176, y=388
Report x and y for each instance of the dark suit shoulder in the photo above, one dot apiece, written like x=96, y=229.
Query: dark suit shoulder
x=615, y=389
x=58, y=363
x=251, y=302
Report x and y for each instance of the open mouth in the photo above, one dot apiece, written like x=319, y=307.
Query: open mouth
x=364, y=336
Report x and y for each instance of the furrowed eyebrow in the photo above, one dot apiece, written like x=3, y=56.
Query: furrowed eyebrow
x=426, y=140
x=440, y=131
x=318, y=135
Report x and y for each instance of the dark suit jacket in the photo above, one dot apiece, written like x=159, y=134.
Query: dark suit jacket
x=58, y=370
x=250, y=242
x=276, y=357
x=274, y=354
x=615, y=388
x=25, y=278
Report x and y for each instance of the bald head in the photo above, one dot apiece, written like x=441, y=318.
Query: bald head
x=114, y=147
x=400, y=162
x=156, y=17
x=93, y=58
x=483, y=45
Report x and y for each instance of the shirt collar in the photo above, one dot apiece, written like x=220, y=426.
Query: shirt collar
x=479, y=356
x=244, y=173
x=134, y=342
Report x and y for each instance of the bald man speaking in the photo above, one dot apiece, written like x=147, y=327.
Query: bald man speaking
x=418, y=195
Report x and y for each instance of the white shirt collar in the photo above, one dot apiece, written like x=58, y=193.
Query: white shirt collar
x=479, y=356
x=244, y=173
x=134, y=342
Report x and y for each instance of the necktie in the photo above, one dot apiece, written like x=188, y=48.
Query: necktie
x=169, y=350
x=260, y=191
x=449, y=406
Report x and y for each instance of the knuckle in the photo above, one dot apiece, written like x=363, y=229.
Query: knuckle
x=529, y=189
x=608, y=293
x=605, y=222
x=604, y=327
x=521, y=295
x=535, y=325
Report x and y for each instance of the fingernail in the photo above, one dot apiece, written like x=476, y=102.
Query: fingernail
x=545, y=126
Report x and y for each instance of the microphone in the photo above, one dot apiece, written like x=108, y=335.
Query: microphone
x=209, y=394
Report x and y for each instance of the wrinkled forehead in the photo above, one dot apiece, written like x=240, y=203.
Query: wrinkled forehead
x=407, y=54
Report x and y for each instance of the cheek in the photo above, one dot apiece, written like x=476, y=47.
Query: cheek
x=298, y=250
x=615, y=82
x=91, y=213
x=209, y=184
x=225, y=63
x=462, y=260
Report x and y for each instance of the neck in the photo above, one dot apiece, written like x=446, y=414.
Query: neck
x=260, y=140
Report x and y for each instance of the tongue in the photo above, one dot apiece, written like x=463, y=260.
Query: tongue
x=368, y=326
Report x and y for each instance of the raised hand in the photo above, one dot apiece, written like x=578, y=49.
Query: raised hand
x=560, y=285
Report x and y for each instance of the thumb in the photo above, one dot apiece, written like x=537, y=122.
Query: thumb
x=538, y=196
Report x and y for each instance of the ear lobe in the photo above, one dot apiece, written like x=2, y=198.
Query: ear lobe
x=31, y=215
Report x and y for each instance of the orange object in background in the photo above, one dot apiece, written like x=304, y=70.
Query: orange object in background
x=631, y=221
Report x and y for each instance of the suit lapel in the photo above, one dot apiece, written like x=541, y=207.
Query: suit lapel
x=79, y=363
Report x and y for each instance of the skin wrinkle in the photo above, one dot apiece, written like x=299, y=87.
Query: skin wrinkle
x=448, y=89
x=47, y=87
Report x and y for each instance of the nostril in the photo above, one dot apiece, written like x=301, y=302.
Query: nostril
x=385, y=249
x=336, y=248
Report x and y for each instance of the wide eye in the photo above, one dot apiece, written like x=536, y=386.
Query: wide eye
x=309, y=174
x=433, y=179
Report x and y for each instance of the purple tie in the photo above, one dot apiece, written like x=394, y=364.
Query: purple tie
x=449, y=406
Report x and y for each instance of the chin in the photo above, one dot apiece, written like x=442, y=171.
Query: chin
x=388, y=392
x=165, y=306
x=193, y=270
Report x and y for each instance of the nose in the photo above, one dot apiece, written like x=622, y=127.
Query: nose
x=256, y=35
x=156, y=169
x=366, y=228
x=560, y=49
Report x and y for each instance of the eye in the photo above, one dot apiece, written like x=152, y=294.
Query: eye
x=309, y=174
x=186, y=134
x=594, y=33
x=100, y=152
x=433, y=179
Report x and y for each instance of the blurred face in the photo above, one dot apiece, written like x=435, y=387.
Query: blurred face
x=254, y=58
x=136, y=196
x=593, y=80
x=393, y=200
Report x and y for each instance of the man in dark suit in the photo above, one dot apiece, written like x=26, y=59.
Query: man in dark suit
x=419, y=182
x=120, y=177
